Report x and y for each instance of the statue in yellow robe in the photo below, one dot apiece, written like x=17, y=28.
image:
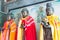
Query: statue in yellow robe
x=54, y=24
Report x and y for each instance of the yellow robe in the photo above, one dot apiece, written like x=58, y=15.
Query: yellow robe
x=13, y=31
x=41, y=33
x=20, y=31
x=20, y=34
x=55, y=27
x=0, y=35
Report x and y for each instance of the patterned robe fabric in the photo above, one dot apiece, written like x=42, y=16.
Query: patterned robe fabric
x=55, y=25
x=29, y=26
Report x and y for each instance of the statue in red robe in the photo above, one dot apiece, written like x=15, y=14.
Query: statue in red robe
x=28, y=25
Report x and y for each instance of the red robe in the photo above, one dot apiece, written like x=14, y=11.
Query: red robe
x=30, y=30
